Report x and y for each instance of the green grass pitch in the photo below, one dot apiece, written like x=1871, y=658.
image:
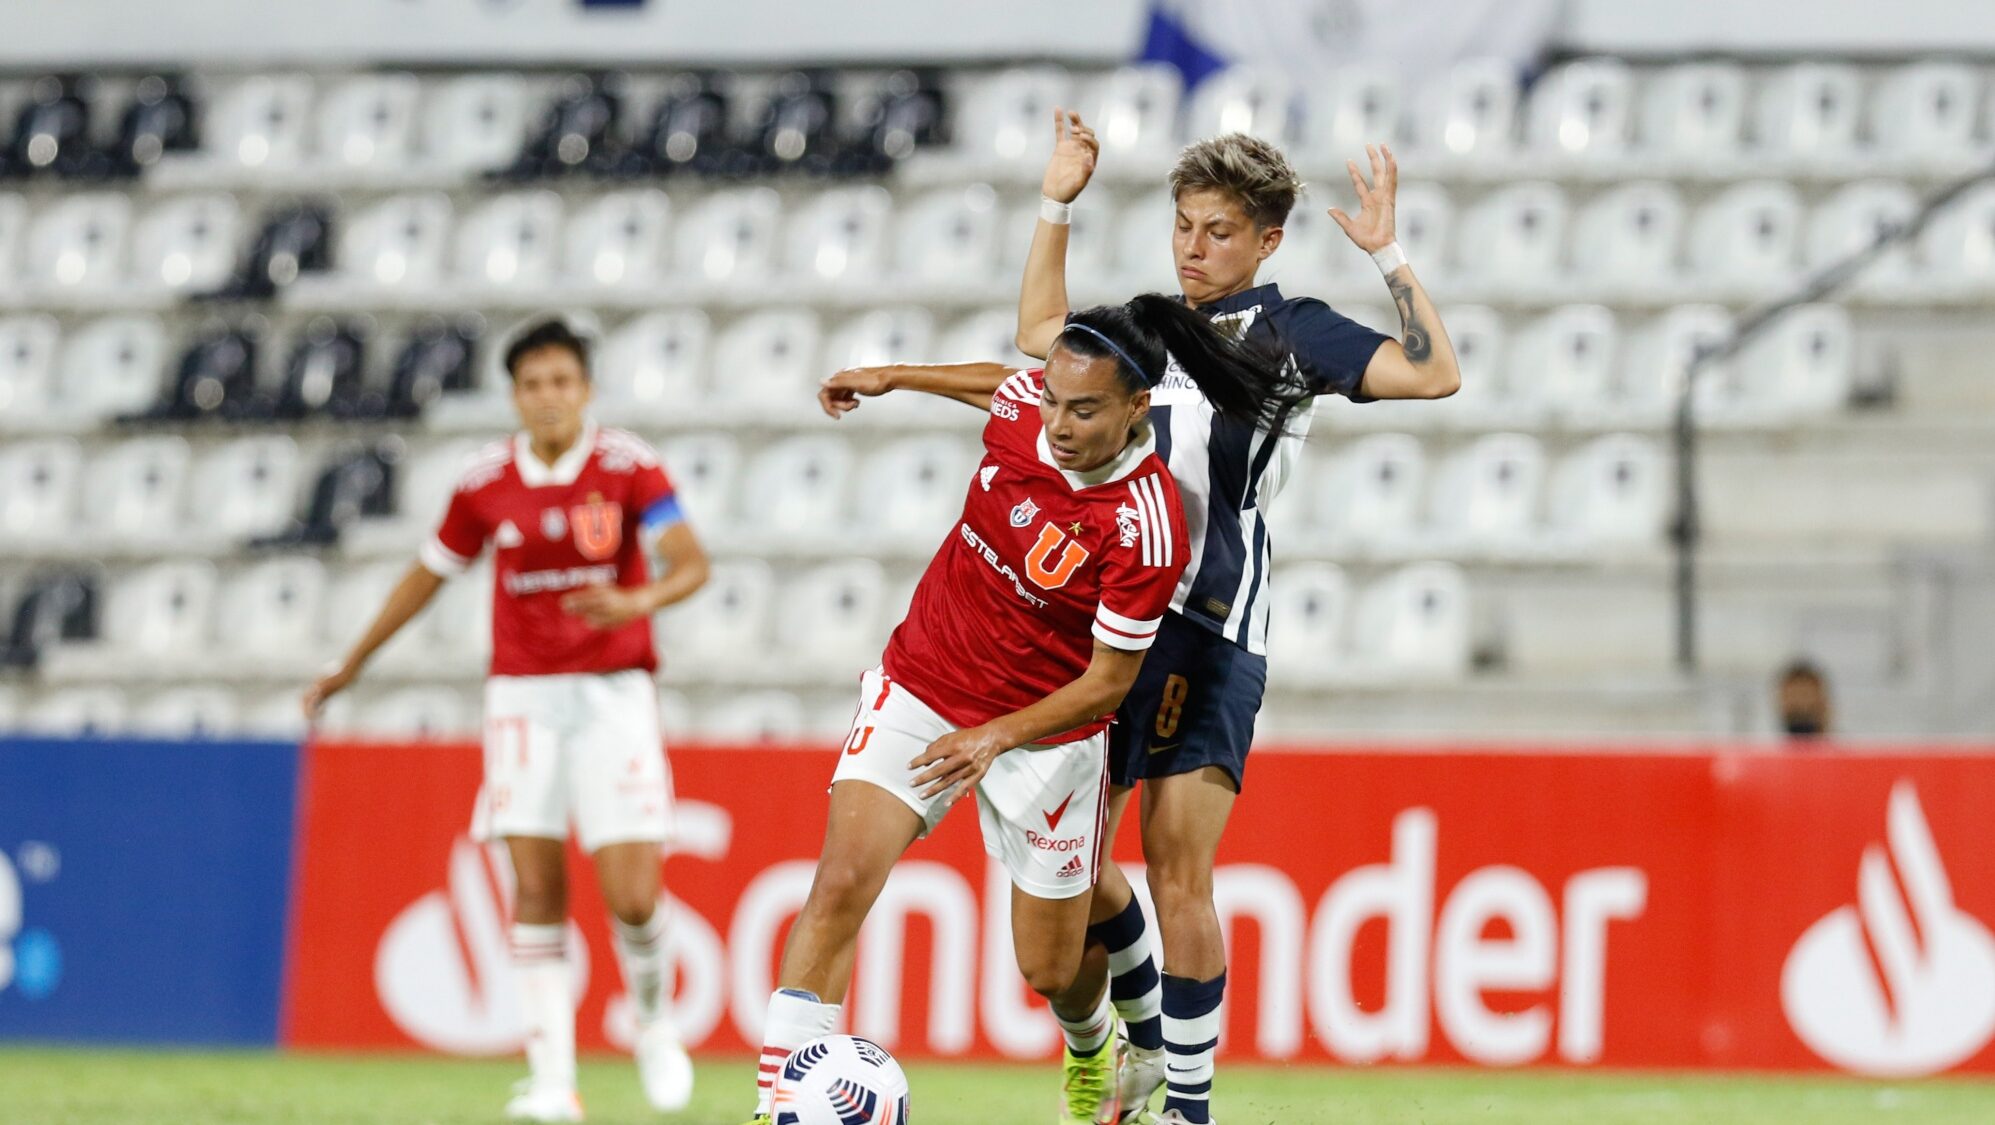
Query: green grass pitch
x=56, y=1086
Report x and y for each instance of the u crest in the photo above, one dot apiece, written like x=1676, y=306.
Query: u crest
x=598, y=528
x=1043, y=569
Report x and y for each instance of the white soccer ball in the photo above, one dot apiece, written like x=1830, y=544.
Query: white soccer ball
x=840, y=1080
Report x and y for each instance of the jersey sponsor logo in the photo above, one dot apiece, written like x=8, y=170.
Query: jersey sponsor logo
x=526, y=582
x=508, y=535
x=1054, y=814
x=598, y=527
x=985, y=474
x=1058, y=845
x=1126, y=526
x=1004, y=410
x=553, y=524
x=990, y=556
x=1024, y=512
x=1040, y=564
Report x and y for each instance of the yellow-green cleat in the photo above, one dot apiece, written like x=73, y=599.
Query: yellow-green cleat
x=1089, y=1087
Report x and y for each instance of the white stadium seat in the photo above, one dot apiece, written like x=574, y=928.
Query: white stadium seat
x=247, y=487
x=1660, y=352
x=619, y=239
x=459, y=625
x=1009, y=115
x=273, y=608
x=187, y=243
x=1134, y=109
x=1259, y=101
x=881, y=336
x=429, y=478
x=1926, y=109
x=79, y=241
x=1583, y=108
x=13, y=235
x=833, y=615
x=111, y=366
x=1370, y=493
x=261, y=122
x=275, y=715
x=188, y=713
x=1809, y=110
x=27, y=366
x=369, y=121
x=1494, y=391
x=512, y=240
x=731, y=236
x=165, y=609
x=91, y=712
x=1852, y=218
x=38, y=490
x=768, y=358
x=1470, y=110
x=1957, y=247
x=475, y=122
x=705, y=469
x=950, y=236
x=420, y=714
x=1488, y=494
x=841, y=235
x=655, y=367
x=1425, y=218
x=727, y=623
x=1350, y=107
x=910, y=491
x=989, y=336
x=751, y=717
x=1516, y=233
x=1090, y=241
x=1747, y=236
x=1803, y=365
x=1613, y=491
x=399, y=242
x=1630, y=235
x=1307, y=622
x=1572, y=353
x=1414, y=623
x=1694, y=111
x=797, y=487
x=1143, y=256
x=135, y=489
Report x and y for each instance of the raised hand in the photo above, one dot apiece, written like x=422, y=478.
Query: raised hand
x=956, y=762
x=839, y=394
x=1372, y=230
x=1074, y=153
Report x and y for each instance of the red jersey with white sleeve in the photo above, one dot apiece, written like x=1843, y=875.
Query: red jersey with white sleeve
x=582, y=521
x=1043, y=563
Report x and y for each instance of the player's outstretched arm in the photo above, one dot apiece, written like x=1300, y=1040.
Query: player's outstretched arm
x=406, y=600
x=972, y=383
x=683, y=569
x=957, y=760
x=1422, y=363
x=1042, y=296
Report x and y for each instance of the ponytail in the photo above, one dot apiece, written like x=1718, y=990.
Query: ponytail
x=1243, y=380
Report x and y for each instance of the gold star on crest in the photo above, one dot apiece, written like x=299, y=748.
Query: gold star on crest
x=1076, y=528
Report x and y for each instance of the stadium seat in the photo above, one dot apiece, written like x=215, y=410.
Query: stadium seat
x=1090, y=242
x=655, y=367
x=475, y=122
x=1746, y=237
x=1471, y=110
x=53, y=132
x=1853, y=218
x=164, y=609
x=1260, y=101
x=326, y=373
x=1414, y=623
x=1611, y=492
x=457, y=635
x=27, y=367
x=1352, y=106
x=261, y=122
x=910, y=491
x=247, y=487
x=1660, y=352
x=295, y=240
x=1314, y=254
x=187, y=243
x=904, y=334
x=1494, y=392
x=355, y=595
x=795, y=129
x=135, y=489
x=833, y=615
x=78, y=242
x=797, y=487
x=511, y=241
x=38, y=490
x=398, y=243
x=1370, y=494
x=1143, y=255
x=1802, y=366
x=78, y=712
x=112, y=367
x=1133, y=109
x=731, y=236
x=619, y=239
x=1583, y=108
x=950, y=236
x=439, y=358
x=1425, y=218
x=906, y=111
x=1306, y=622
x=357, y=483
x=13, y=235
x=187, y=713
x=1630, y=235
x=273, y=608
x=275, y=715
x=52, y=608
x=689, y=129
x=1008, y=116
x=841, y=236
x=431, y=478
x=727, y=624
x=369, y=121
x=1513, y=233
x=1571, y=355
x=989, y=336
x=770, y=356
x=1925, y=109
x=1809, y=110
x=705, y=470
x=579, y=131
x=418, y=714
x=1693, y=112
x=161, y=118
x=753, y=717
x=1957, y=247
x=1487, y=495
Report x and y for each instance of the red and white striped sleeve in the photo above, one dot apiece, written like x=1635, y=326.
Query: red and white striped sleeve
x=1139, y=578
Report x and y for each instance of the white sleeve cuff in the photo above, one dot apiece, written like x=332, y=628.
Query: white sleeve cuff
x=441, y=560
x=1125, y=633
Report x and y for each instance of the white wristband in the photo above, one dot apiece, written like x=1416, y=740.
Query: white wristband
x=1388, y=258
x=1055, y=212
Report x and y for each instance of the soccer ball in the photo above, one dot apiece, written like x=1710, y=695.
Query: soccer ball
x=840, y=1080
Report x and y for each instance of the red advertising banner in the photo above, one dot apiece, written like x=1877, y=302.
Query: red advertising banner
x=1723, y=908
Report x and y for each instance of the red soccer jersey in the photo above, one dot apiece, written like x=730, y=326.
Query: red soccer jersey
x=555, y=528
x=1042, y=563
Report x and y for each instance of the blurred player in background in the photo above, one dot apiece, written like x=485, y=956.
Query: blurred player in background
x=571, y=710
x=1186, y=724
x=1023, y=636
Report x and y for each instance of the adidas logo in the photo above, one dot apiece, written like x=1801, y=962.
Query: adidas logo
x=1073, y=868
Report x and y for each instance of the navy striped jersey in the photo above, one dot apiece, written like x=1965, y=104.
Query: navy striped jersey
x=1227, y=470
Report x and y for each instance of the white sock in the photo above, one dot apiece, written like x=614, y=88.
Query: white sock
x=642, y=949
x=540, y=960
x=1086, y=1035
x=795, y=1018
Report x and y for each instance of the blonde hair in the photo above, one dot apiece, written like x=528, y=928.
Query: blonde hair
x=1247, y=168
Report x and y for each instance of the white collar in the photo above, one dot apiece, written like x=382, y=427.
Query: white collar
x=1124, y=463
x=535, y=473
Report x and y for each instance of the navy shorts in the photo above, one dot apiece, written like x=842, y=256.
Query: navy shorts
x=1193, y=706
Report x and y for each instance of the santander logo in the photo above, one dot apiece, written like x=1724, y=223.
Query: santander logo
x=1903, y=982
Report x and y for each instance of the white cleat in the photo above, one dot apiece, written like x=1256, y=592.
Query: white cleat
x=533, y=1101
x=664, y=1068
x=1141, y=1076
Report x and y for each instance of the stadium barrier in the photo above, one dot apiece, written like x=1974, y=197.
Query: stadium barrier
x=1718, y=907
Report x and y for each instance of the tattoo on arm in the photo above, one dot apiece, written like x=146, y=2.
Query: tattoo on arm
x=1418, y=345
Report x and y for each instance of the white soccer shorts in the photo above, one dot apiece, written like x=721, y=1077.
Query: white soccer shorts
x=1041, y=807
x=584, y=748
